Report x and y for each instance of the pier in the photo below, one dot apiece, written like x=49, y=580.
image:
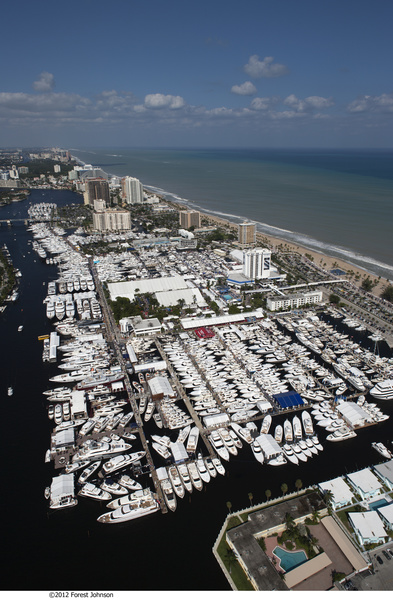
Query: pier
x=113, y=337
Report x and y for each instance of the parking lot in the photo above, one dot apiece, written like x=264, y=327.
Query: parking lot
x=378, y=579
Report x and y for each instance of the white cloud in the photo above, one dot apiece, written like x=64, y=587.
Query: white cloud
x=308, y=104
x=264, y=103
x=381, y=104
x=157, y=101
x=45, y=83
x=245, y=89
x=264, y=68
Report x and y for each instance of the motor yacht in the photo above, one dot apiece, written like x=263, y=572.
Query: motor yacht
x=89, y=490
x=136, y=509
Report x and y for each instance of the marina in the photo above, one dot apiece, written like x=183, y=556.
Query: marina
x=237, y=387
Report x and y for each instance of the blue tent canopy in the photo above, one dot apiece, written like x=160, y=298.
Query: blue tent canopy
x=288, y=399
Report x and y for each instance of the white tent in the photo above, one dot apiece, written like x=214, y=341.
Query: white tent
x=270, y=447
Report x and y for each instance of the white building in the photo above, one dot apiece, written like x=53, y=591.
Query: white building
x=132, y=190
x=365, y=484
x=368, y=527
x=256, y=263
x=112, y=220
x=341, y=492
x=294, y=300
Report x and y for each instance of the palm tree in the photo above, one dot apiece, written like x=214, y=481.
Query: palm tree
x=298, y=484
x=229, y=506
x=268, y=495
x=229, y=558
x=250, y=497
x=284, y=488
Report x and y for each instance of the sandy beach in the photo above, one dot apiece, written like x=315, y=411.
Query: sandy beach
x=352, y=272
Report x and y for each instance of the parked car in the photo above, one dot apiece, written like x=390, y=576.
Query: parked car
x=386, y=554
x=379, y=559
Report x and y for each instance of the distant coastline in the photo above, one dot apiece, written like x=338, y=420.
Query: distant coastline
x=347, y=259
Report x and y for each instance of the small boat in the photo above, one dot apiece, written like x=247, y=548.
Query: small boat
x=10, y=391
x=381, y=448
x=341, y=434
x=76, y=466
x=266, y=423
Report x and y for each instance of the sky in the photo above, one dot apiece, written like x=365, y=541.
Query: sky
x=233, y=73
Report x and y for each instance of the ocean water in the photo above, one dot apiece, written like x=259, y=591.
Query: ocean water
x=336, y=202
x=68, y=550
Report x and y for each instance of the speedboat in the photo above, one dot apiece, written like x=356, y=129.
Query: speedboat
x=210, y=467
x=169, y=496
x=137, y=508
x=299, y=453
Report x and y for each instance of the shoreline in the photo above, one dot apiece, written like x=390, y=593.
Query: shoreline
x=321, y=259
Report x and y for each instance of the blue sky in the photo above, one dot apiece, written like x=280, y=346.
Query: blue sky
x=283, y=73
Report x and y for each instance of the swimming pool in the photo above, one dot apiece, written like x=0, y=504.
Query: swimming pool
x=290, y=560
x=378, y=504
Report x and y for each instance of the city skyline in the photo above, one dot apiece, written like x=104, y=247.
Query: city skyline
x=259, y=74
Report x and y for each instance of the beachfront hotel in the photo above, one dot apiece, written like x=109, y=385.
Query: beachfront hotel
x=257, y=263
x=247, y=234
x=189, y=218
x=132, y=190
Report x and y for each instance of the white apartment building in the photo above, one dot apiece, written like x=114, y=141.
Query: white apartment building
x=112, y=220
x=294, y=300
x=257, y=263
x=132, y=190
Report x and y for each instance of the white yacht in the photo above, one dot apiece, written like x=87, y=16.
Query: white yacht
x=122, y=460
x=88, y=471
x=289, y=454
x=288, y=431
x=278, y=433
x=194, y=476
x=210, y=467
x=123, y=500
x=185, y=477
x=203, y=472
x=218, y=445
x=381, y=448
x=257, y=452
x=111, y=486
x=383, y=390
x=129, y=483
x=176, y=481
x=266, y=423
x=218, y=465
x=92, y=491
x=297, y=427
x=137, y=508
x=307, y=423
x=341, y=434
